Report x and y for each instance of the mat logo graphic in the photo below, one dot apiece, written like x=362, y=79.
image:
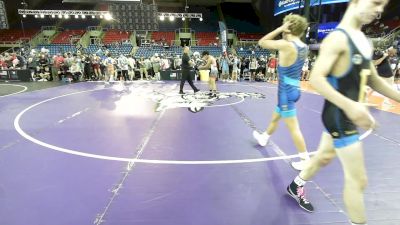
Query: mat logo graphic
x=197, y=102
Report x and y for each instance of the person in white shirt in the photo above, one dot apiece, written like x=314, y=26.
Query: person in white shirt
x=235, y=68
x=305, y=70
x=75, y=70
x=155, y=61
x=253, y=68
x=123, y=64
x=132, y=67
x=143, y=68
x=110, y=69
x=177, y=63
x=148, y=64
x=164, y=64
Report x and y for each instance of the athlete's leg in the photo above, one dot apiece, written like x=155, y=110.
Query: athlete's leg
x=210, y=85
x=298, y=139
x=234, y=76
x=213, y=84
x=292, y=124
x=273, y=124
x=262, y=138
x=324, y=156
x=141, y=73
x=355, y=181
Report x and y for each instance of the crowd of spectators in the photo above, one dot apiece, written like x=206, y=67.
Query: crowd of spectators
x=80, y=66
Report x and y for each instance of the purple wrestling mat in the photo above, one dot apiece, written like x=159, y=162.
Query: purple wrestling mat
x=70, y=155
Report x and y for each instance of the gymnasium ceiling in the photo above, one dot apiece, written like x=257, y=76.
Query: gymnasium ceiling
x=173, y=3
x=168, y=3
x=263, y=8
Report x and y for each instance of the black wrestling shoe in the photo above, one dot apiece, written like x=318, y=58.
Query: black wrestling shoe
x=297, y=192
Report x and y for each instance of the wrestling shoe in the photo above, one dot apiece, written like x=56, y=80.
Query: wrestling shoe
x=297, y=192
x=262, y=139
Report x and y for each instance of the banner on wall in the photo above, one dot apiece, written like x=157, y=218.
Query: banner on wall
x=223, y=35
x=3, y=16
x=282, y=6
x=325, y=28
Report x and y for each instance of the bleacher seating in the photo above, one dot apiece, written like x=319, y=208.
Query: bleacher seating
x=175, y=50
x=167, y=36
x=250, y=36
x=65, y=36
x=206, y=38
x=15, y=35
x=215, y=51
x=126, y=48
x=150, y=51
x=92, y=49
x=115, y=50
x=112, y=36
x=58, y=48
x=246, y=52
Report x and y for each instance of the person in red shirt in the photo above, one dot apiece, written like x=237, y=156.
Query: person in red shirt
x=271, y=70
x=58, y=60
x=3, y=63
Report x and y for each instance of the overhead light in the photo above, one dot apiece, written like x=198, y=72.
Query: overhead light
x=201, y=19
x=183, y=18
x=171, y=18
x=162, y=18
x=24, y=13
x=108, y=16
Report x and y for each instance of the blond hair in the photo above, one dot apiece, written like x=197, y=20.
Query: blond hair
x=298, y=24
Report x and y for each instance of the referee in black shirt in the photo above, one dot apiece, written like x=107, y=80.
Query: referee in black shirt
x=381, y=61
x=186, y=67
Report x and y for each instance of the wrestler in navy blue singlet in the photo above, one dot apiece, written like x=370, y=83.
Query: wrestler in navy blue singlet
x=352, y=85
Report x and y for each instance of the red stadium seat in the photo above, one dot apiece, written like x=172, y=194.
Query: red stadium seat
x=65, y=36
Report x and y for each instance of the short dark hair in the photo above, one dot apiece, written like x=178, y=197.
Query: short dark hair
x=205, y=53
